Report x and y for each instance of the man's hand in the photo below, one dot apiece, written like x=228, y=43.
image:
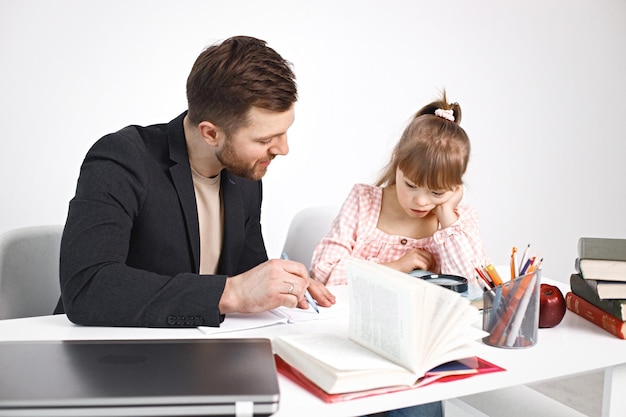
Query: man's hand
x=320, y=294
x=275, y=283
x=271, y=284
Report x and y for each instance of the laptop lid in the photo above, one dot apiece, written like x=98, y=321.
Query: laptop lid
x=228, y=377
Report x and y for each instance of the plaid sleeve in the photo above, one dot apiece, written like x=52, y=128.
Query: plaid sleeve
x=327, y=265
x=460, y=245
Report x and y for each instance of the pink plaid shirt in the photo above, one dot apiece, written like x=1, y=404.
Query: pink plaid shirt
x=354, y=233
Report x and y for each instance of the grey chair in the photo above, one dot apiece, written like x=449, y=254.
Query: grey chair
x=29, y=271
x=306, y=229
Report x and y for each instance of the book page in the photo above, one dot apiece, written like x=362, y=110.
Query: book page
x=335, y=351
x=337, y=364
x=381, y=319
x=405, y=319
x=375, y=325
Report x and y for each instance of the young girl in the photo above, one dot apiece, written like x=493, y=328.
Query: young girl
x=413, y=217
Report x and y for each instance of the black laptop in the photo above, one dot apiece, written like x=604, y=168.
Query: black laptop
x=205, y=377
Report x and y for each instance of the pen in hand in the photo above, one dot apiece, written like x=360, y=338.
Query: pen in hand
x=311, y=301
x=307, y=294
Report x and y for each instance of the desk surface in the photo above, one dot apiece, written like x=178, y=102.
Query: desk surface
x=574, y=346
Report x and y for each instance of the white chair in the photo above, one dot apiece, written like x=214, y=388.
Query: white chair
x=29, y=271
x=307, y=228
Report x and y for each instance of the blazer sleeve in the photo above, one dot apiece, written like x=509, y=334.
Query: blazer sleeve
x=126, y=208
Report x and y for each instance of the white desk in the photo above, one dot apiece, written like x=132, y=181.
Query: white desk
x=574, y=346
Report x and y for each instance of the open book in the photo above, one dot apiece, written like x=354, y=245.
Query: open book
x=399, y=328
x=451, y=371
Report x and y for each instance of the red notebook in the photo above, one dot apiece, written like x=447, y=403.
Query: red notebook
x=451, y=371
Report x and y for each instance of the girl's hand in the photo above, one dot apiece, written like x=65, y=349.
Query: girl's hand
x=413, y=259
x=445, y=212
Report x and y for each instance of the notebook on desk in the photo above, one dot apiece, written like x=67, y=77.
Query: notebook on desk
x=226, y=377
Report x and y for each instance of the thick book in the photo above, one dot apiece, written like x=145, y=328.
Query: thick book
x=399, y=328
x=448, y=372
x=595, y=315
x=586, y=289
x=609, y=249
x=601, y=269
x=608, y=290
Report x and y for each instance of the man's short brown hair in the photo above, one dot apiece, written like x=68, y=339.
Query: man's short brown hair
x=229, y=78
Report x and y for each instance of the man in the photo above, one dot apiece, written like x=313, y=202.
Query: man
x=164, y=229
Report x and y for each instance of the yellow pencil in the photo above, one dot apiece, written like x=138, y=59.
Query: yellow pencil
x=513, y=252
x=493, y=274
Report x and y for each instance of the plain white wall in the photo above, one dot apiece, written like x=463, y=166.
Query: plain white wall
x=541, y=84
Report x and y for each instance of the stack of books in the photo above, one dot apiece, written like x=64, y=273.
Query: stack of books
x=598, y=287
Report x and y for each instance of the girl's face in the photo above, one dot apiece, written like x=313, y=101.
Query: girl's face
x=418, y=201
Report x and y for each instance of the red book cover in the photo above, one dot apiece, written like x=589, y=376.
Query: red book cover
x=451, y=371
x=595, y=315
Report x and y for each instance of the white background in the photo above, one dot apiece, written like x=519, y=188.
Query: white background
x=541, y=84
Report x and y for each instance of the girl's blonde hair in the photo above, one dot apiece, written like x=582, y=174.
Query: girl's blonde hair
x=433, y=151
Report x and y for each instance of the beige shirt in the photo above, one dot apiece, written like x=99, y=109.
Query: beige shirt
x=210, y=220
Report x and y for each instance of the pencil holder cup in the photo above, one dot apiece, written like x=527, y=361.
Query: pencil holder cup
x=511, y=312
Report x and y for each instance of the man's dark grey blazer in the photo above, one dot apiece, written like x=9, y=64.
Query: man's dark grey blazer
x=130, y=251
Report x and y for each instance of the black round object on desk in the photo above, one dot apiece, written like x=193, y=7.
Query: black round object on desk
x=451, y=282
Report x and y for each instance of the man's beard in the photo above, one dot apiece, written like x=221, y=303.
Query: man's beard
x=228, y=158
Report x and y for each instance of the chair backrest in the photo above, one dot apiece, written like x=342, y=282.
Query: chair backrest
x=29, y=271
x=307, y=228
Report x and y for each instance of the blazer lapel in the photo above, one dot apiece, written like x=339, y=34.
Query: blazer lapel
x=234, y=233
x=181, y=177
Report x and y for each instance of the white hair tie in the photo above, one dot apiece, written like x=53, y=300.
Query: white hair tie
x=446, y=114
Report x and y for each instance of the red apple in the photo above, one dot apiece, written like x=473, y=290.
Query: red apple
x=551, y=306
